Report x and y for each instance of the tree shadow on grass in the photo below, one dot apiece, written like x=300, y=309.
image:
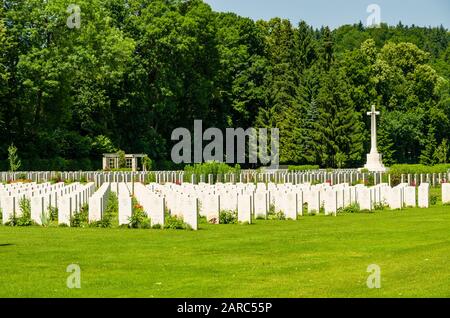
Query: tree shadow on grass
x=7, y=244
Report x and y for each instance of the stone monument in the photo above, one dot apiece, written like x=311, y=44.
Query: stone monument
x=374, y=159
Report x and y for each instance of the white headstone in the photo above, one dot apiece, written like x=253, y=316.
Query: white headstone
x=424, y=195
x=244, y=208
x=445, y=193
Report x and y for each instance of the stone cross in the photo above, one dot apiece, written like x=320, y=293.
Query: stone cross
x=373, y=115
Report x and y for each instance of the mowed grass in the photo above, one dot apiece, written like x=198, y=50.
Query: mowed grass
x=316, y=256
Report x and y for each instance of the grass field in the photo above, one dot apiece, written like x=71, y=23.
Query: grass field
x=316, y=256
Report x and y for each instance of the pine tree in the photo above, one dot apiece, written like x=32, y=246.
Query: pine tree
x=385, y=145
x=339, y=127
x=427, y=155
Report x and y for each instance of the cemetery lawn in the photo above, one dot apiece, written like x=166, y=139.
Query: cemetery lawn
x=316, y=256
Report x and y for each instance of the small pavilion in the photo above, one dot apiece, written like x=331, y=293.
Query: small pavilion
x=132, y=161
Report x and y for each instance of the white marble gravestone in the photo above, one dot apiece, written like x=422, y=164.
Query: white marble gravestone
x=330, y=202
x=190, y=211
x=260, y=202
x=445, y=193
x=409, y=196
x=290, y=205
x=424, y=195
x=244, y=208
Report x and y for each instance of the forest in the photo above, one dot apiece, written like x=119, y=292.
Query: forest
x=138, y=69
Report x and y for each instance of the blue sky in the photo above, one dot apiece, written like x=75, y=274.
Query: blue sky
x=335, y=13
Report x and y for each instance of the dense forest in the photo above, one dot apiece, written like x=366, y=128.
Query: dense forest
x=138, y=69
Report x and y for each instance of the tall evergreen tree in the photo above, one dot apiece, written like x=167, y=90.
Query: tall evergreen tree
x=339, y=126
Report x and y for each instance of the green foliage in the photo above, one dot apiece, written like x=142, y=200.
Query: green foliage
x=433, y=199
x=25, y=214
x=120, y=82
x=138, y=219
x=173, y=222
x=418, y=168
x=80, y=218
x=110, y=215
x=13, y=158
x=303, y=168
x=52, y=213
x=353, y=208
x=380, y=206
x=228, y=217
x=441, y=153
x=275, y=215
x=208, y=168
x=147, y=163
x=122, y=160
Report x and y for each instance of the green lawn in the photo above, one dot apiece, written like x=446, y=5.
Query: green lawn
x=316, y=256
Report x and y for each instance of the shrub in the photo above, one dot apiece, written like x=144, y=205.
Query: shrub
x=353, y=208
x=138, y=219
x=433, y=199
x=174, y=223
x=110, y=214
x=275, y=215
x=380, y=206
x=418, y=168
x=81, y=218
x=157, y=227
x=25, y=218
x=52, y=213
x=150, y=178
x=228, y=217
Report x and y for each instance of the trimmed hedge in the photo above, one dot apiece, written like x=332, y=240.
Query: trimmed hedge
x=419, y=169
x=303, y=168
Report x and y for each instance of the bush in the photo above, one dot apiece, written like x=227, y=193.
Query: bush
x=419, y=169
x=53, y=213
x=175, y=223
x=111, y=212
x=25, y=218
x=80, y=219
x=275, y=215
x=381, y=206
x=353, y=208
x=228, y=217
x=138, y=219
x=433, y=199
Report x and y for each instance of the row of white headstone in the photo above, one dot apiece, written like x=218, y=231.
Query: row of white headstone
x=188, y=201
x=68, y=199
x=254, y=201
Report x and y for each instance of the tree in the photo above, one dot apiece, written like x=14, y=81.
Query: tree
x=339, y=126
x=441, y=153
x=427, y=156
x=146, y=163
x=13, y=158
x=122, y=159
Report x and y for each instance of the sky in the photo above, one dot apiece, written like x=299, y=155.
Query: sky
x=335, y=13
